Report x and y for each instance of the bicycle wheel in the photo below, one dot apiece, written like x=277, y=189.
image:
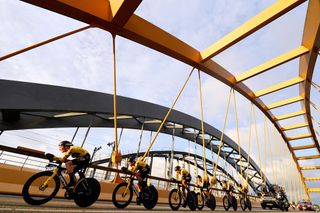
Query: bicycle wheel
x=243, y=204
x=211, y=203
x=225, y=202
x=150, y=197
x=174, y=199
x=249, y=205
x=121, y=196
x=192, y=200
x=86, y=192
x=200, y=201
x=234, y=203
x=35, y=194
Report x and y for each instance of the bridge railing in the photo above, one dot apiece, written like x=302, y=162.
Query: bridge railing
x=24, y=157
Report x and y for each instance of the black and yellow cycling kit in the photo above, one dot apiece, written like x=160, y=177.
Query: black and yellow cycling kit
x=141, y=167
x=80, y=155
x=184, y=175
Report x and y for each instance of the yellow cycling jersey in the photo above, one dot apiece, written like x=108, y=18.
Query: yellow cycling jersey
x=75, y=152
x=139, y=165
x=183, y=174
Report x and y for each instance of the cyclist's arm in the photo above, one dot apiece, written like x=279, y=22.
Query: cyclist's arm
x=64, y=158
x=132, y=169
x=57, y=159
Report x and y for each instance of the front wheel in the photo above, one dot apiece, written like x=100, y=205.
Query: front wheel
x=243, y=204
x=34, y=191
x=122, y=195
x=174, y=199
x=225, y=202
x=86, y=192
x=200, y=201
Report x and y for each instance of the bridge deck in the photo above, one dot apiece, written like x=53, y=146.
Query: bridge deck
x=10, y=203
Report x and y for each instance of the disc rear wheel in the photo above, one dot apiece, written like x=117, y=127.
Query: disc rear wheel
x=86, y=192
x=212, y=202
x=150, y=197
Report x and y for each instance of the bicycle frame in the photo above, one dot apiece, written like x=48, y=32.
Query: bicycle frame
x=130, y=184
x=56, y=171
x=180, y=188
x=205, y=194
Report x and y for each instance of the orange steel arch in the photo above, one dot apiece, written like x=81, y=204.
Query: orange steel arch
x=117, y=17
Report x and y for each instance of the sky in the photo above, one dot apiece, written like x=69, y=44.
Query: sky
x=84, y=61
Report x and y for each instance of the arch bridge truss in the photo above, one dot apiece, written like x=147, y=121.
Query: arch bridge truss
x=33, y=106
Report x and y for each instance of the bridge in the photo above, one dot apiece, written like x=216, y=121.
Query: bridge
x=288, y=106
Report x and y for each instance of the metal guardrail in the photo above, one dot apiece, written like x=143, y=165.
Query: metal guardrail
x=24, y=157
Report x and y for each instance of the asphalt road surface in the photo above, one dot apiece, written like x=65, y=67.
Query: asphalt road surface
x=9, y=203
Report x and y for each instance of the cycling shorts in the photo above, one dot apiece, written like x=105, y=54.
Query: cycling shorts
x=81, y=162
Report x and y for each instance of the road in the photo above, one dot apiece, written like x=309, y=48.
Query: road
x=10, y=203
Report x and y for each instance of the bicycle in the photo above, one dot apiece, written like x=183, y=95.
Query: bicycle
x=229, y=200
x=204, y=198
x=123, y=193
x=43, y=186
x=176, y=196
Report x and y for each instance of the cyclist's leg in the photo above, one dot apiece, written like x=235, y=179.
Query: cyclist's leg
x=143, y=177
x=79, y=164
x=70, y=170
x=69, y=166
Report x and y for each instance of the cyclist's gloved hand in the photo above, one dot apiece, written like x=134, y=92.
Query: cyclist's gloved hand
x=173, y=179
x=49, y=156
x=124, y=169
x=58, y=161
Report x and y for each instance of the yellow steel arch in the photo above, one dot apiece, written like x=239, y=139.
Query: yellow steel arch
x=117, y=17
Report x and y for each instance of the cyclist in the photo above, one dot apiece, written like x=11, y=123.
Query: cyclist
x=141, y=170
x=227, y=186
x=243, y=189
x=203, y=184
x=81, y=159
x=184, y=176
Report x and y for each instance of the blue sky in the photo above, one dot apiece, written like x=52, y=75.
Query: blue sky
x=84, y=61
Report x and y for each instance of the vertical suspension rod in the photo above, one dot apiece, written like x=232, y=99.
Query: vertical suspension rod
x=205, y=176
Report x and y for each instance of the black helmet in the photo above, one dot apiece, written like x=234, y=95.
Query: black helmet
x=199, y=176
x=177, y=168
x=65, y=143
x=132, y=159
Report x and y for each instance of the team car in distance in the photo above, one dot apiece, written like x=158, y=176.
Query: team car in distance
x=305, y=206
x=275, y=198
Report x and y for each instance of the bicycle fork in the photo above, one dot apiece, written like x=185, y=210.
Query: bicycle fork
x=45, y=184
